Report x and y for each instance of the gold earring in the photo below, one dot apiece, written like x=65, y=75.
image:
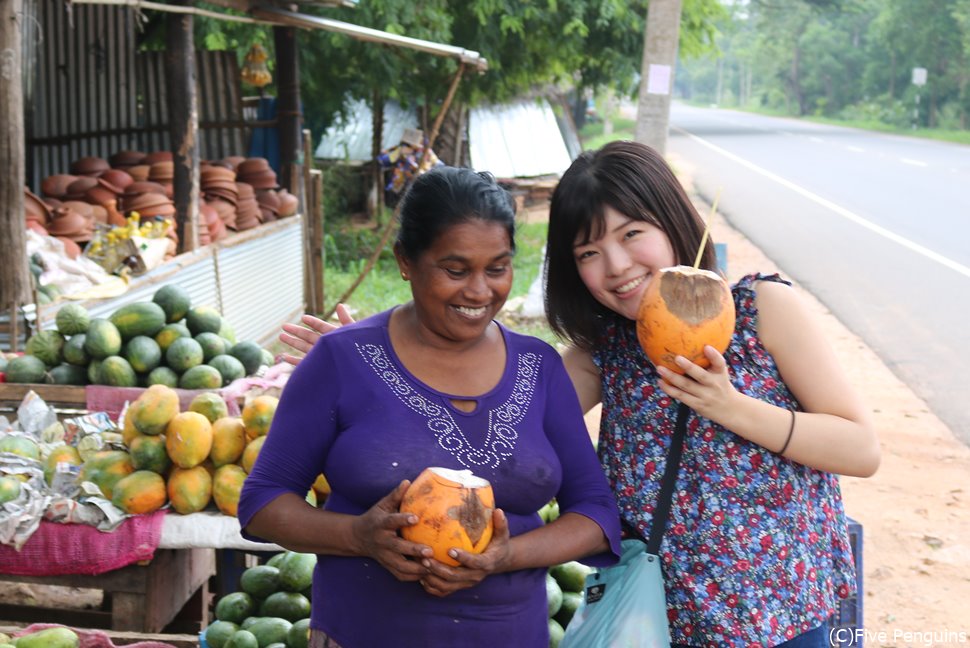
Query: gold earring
x=404, y=276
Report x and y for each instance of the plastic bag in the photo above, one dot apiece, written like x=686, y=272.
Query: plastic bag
x=623, y=605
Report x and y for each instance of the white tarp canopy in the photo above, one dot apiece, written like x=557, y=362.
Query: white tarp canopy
x=520, y=140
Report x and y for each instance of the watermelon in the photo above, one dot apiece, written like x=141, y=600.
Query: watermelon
x=170, y=333
x=174, y=300
x=68, y=374
x=48, y=346
x=117, y=372
x=102, y=339
x=142, y=353
x=249, y=354
x=140, y=318
x=74, y=352
x=25, y=369
x=229, y=367
x=72, y=319
x=200, y=319
x=183, y=354
x=201, y=377
x=162, y=376
x=212, y=345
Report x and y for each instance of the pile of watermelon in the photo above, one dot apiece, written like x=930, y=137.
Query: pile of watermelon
x=272, y=606
x=167, y=341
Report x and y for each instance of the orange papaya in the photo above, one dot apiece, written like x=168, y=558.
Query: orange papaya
x=189, y=489
x=188, y=439
x=143, y=491
x=228, y=440
x=154, y=409
x=226, y=487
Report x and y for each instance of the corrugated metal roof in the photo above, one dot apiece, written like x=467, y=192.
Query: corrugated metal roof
x=349, y=140
x=520, y=140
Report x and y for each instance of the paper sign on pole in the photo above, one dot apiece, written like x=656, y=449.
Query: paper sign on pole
x=658, y=80
x=919, y=76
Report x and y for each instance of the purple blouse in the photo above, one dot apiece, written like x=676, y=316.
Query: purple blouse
x=756, y=549
x=352, y=411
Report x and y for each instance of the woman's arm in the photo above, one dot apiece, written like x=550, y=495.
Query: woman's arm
x=585, y=376
x=834, y=432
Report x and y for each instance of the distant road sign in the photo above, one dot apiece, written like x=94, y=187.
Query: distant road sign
x=919, y=76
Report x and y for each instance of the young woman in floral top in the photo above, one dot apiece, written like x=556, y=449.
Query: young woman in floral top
x=756, y=551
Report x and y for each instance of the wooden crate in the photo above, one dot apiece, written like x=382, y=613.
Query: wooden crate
x=173, y=589
x=70, y=398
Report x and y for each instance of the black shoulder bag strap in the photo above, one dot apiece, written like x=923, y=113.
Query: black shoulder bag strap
x=662, y=511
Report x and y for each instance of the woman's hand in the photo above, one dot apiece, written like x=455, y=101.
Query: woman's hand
x=302, y=338
x=375, y=534
x=706, y=391
x=442, y=580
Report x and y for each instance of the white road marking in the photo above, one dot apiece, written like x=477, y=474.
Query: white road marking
x=918, y=163
x=856, y=149
x=839, y=210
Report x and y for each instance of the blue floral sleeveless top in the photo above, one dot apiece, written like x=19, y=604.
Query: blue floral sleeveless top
x=756, y=549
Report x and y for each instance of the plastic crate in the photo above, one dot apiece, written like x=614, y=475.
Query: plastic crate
x=848, y=617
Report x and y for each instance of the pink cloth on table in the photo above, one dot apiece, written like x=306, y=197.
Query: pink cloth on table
x=91, y=638
x=103, y=398
x=56, y=549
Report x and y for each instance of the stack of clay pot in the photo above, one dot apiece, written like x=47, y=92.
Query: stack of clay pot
x=218, y=186
x=257, y=172
x=248, y=214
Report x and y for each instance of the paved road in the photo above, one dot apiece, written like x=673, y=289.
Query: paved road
x=876, y=226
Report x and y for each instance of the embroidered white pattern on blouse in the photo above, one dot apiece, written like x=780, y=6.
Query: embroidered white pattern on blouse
x=502, y=435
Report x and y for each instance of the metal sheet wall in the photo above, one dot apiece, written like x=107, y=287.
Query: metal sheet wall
x=92, y=93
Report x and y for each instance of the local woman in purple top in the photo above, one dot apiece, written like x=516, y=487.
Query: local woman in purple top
x=435, y=382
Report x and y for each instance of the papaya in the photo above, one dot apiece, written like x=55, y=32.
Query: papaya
x=235, y=607
x=105, y=469
x=154, y=409
x=228, y=441
x=258, y=414
x=291, y=606
x=143, y=491
x=210, y=405
x=188, y=439
x=296, y=573
x=226, y=487
x=189, y=489
x=20, y=445
x=61, y=454
x=59, y=637
x=128, y=429
x=149, y=453
x=9, y=489
x=251, y=453
x=260, y=581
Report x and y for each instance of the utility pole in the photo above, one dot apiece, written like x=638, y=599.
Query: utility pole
x=661, y=37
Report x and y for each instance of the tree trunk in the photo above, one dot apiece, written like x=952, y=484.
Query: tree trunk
x=657, y=72
x=15, y=288
x=183, y=124
x=448, y=148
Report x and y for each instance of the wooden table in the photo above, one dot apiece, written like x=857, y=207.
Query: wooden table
x=173, y=587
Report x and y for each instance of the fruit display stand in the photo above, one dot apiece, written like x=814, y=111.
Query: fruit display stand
x=255, y=279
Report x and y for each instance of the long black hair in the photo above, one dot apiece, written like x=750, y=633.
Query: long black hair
x=634, y=180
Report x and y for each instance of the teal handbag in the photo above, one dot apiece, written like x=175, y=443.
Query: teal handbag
x=624, y=606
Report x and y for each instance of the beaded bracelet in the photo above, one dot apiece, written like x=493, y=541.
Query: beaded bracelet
x=791, y=431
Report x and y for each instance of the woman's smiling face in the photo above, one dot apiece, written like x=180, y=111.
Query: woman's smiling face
x=618, y=265
x=462, y=281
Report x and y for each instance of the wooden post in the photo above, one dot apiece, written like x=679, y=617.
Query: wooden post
x=312, y=232
x=15, y=277
x=183, y=115
x=318, y=253
x=288, y=114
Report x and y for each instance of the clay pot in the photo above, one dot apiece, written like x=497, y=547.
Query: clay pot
x=71, y=249
x=55, y=186
x=253, y=165
x=77, y=189
x=37, y=227
x=261, y=179
x=99, y=195
x=233, y=161
x=157, y=156
x=35, y=208
x=89, y=166
x=117, y=178
x=67, y=222
x=139, y=172
x=81, y=207
x=125, y=159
